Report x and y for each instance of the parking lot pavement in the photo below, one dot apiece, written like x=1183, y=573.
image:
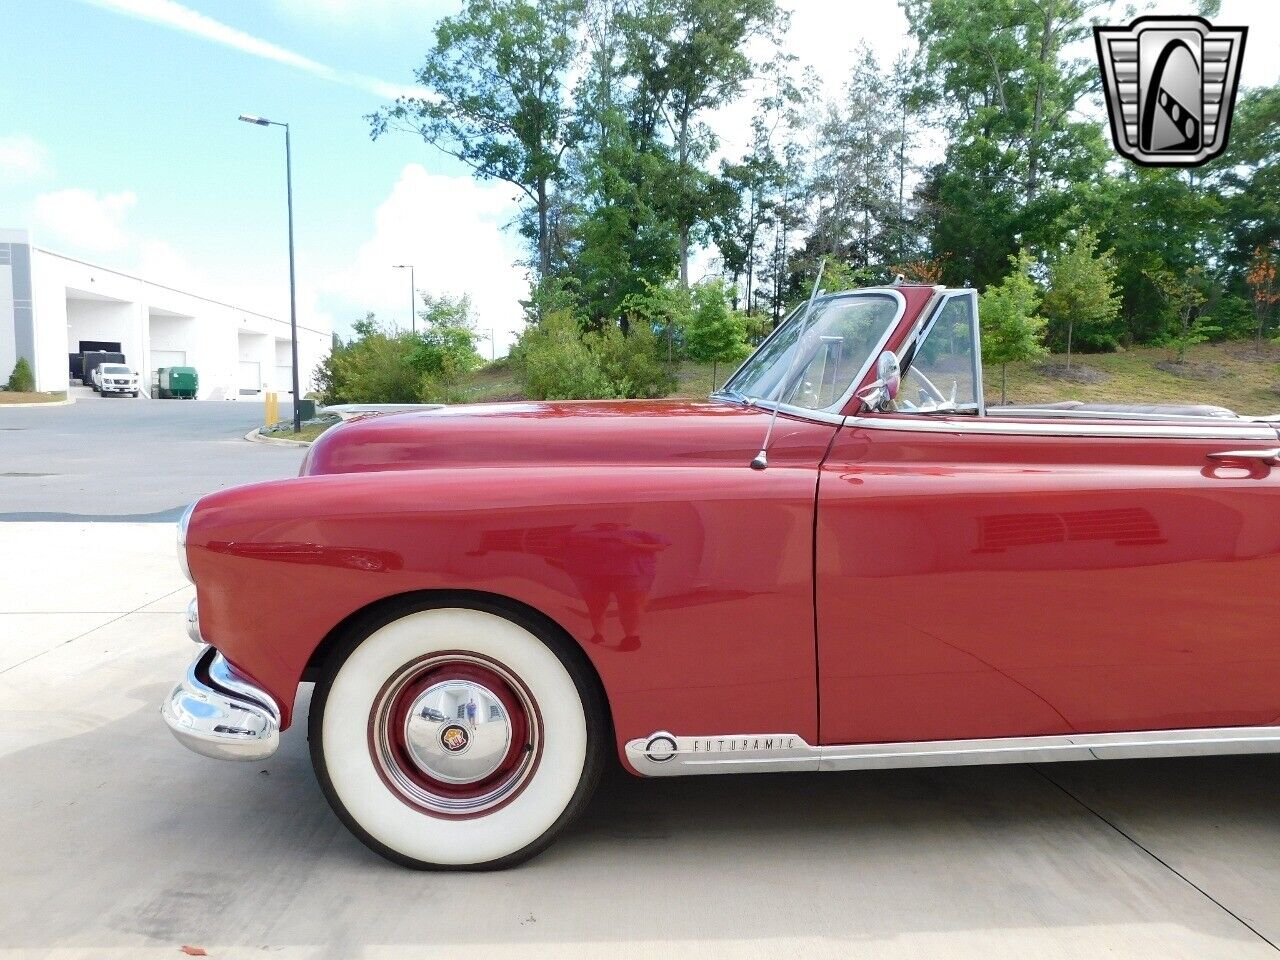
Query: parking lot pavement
x=117, y=843
x=119, y=458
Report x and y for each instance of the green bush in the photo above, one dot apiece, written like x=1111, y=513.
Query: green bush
x=555, y=361
x=552, y=361
x=632, y=364
x=384, y=366
x=22, y=380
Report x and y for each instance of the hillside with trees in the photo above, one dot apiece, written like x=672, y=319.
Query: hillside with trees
x=978, y=158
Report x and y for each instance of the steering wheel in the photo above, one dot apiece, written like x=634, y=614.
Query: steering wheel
x=929, y=392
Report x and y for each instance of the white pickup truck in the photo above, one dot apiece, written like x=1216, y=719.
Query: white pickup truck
x=115, y=378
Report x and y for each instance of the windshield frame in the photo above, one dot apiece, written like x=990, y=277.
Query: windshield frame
x=115, y=369
x=833, y=412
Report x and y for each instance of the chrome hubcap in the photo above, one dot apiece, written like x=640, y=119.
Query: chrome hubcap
x=458, y=731
x=455, y=734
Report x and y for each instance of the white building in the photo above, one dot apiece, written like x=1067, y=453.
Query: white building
x=53, y=306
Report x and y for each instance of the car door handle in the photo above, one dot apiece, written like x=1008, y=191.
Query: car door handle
x=1266, y=456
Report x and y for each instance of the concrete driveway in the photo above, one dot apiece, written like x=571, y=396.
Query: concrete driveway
x=119, y=458
x=117, y=843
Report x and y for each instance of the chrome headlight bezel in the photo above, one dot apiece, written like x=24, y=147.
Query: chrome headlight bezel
x=182, y=541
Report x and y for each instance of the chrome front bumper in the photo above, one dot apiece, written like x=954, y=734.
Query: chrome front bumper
x=218, y=713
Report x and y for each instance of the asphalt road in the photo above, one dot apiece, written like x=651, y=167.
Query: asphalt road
x=117, y=843
x=124, y=459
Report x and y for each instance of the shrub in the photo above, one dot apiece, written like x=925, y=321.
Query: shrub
x=383, y=366
x=22, y=380
x=555, y=361
x=631, y=364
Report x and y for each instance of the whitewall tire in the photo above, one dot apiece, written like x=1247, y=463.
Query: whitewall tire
x=456, y=737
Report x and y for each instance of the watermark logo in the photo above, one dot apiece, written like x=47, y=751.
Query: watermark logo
x=1171, y=86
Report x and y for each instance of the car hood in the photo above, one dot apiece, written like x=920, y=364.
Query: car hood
x=647, y=432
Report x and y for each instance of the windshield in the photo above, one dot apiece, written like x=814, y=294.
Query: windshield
x=839, y=339
x=115, y=368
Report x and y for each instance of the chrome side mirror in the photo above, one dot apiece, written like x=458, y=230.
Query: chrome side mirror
x=889, y=373
x=887, y=383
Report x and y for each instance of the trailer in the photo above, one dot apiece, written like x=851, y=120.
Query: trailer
x=92, y=359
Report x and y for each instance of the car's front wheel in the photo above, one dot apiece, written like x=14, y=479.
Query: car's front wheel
x=456, y=737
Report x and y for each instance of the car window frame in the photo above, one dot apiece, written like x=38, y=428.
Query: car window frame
x=833, y=412
x=919, y=337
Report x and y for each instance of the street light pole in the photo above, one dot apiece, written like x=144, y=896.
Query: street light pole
x=413, y=296
x=293, y=290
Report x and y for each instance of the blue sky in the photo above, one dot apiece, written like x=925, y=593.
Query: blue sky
x=119, y=143
x=129, y=152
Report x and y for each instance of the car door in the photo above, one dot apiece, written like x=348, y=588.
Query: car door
x=983, y=576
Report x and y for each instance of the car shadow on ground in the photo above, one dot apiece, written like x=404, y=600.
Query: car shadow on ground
x=116, y=836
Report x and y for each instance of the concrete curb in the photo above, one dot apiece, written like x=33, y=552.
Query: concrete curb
x=346, y=411
x=253, y=436
x=52, y=403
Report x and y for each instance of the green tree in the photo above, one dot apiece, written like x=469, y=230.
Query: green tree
x=1081, y=293
x=856, y=169
x=662, y=308
x=22, y=380
x=1184, y=294
x=755, y=186
x=1012, y=331
x=999, y=74
x=495, y=97
x=689, y=57
x=714, y=335
x=445, y=346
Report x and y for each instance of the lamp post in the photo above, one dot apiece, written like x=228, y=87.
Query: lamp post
x=413, y=296
x=293, y=295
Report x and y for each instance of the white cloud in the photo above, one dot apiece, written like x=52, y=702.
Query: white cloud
x=84, y=219
x=451, y=230
x=175, y=16
x=22, y=157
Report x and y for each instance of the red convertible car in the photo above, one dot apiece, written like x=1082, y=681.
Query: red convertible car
x=494, y=600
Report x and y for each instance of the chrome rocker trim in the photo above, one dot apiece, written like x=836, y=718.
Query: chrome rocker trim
x=664, y=754
x=217, y=713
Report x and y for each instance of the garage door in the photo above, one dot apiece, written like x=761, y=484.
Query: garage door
x=168, y=358
x=250, y=376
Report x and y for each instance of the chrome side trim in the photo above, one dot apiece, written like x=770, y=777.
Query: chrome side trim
x=1208, y=430
x=664, y=755
x=1068, y=414
x=218, y=713
x=803, y=413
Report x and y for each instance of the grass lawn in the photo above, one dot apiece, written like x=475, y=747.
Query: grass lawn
x=284, y=430
x=1227, y=374
x=9, y=396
